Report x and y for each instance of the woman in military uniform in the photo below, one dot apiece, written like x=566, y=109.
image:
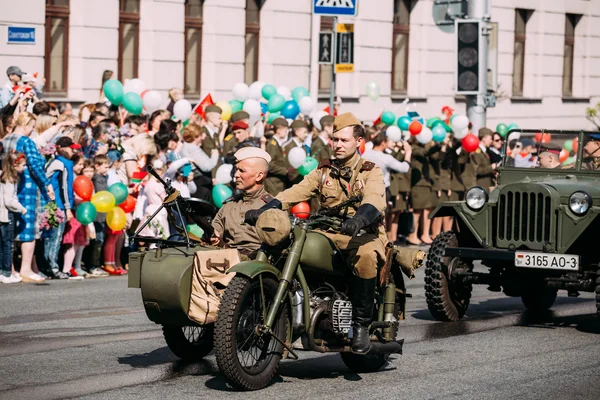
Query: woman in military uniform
x=400, y=192
x=422, y=196
x=442, y=186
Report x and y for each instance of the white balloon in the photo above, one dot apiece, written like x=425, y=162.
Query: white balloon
x=296, y=157
x=459, y=122
x=252, y=107
x=255, y=90
x=240, y=91
x=134, y=85
x=316, y=118
x=306, y=105
x=373, y=90
x=513, y=136
x=260, y=131
x=285, y=92
x=393, y=133
x=223, y=174
x=182, y=109
x=406, y=135
x=152, y=101
x=425, y=136
x=460, y=134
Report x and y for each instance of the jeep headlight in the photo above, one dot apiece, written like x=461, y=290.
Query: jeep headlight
x=476, y=198
x=580, y=202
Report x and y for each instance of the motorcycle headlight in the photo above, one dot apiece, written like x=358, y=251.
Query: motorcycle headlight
x=476, y=198
x=580, y=202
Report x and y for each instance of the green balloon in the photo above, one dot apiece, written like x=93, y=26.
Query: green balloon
x=309, y=164
x=113, y=90
x=502, y=129
x=388, y=118
x=404, y=122
x=133, y=103
x=276, y=103
x=185, y=123
x=273, y=117
x=195, y=230
x=268, y=91
x=431, y=122
x=513, y=126
x=236, y=105
x=568, y=145
x=86, y=213
x=120, y=192
x=299, y=93
x=220, y=193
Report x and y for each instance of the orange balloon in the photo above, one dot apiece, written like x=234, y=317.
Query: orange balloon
x=83, y=187
x=564, y=154
x=301, y=210
x=128, y=205
x=575, y=144
x=362, y=147
x=542, y=137
x=415, y=128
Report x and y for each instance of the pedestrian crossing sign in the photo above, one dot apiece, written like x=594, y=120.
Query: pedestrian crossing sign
x=336, y=7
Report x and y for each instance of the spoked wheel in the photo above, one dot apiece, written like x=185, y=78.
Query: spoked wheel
x=447, y=299
x=247, y=359
x=364, y=363
x=190, y=343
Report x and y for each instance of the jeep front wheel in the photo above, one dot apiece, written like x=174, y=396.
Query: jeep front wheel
x=447, y=298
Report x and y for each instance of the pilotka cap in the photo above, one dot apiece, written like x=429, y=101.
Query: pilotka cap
x=251, y=152
x=345, y=120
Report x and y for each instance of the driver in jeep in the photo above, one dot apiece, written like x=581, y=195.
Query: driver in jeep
x=591, y=152
x=334, y=182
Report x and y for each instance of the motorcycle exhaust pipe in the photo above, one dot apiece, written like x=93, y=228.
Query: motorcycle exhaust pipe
x=387, y=348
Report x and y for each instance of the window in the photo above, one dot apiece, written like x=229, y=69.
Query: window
x=325, y=69
x=129, y=37
x=56, y=62
x=193, y=46
x=252, y=39
x=571, y=21
x=401, y=31
x=521, y=17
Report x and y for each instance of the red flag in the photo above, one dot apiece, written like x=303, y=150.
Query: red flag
x=326, y=109
x=378, y=120
x=207, y=101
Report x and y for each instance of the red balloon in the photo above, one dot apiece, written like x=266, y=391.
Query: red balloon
x=542, y=137
x=564, y=154
x=362, y=147
x=128, y=205
x=301, y=210
x=415, y=128
x=83, y=187
x=575, y=144
x=470, y=143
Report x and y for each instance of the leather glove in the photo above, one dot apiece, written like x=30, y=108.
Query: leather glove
x=252, y=215
x=365, y=215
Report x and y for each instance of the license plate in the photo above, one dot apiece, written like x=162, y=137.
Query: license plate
x=565, y=262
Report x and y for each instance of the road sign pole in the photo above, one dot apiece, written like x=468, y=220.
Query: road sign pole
x=476, y=107
x=334, y=56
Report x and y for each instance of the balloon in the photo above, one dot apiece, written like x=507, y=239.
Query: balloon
x=182, y=109
x=296, y=157
x=152, y=100
x=393, y=133
x=120, y=192
x=144, y=93
x=240, y=91
x=502, y=129
x=225, y=110
x=116, y=219
x=564, y=154
x=86, y=213
x=252, y=107
x=301, y=210
x=373, y=91
x=235, y=105
x=285, y=92
x=388, y=118
x=223, y=174
x=362, y=147
x=575, y=144
x=459, y=122
x=415, y=128
x=299, y=93
x=220, y=193
x=268, y=91
x=276, y=103
x=445, y=125
x=290, y=109
x=135, y=85
x=104, y=201
x=404, y=122
x=113, y=90
x=309, y=164
x=542, y=137
x=438, y=134
x=273, y=117
x=255, y=90
x=461, y=133
x=513, y=126
x=570, y=160
x=83, y=187
x=129, y=204
x=133, y=103
x=470, y=143
x=425, y=136
x=306, y=105
x=431, y=121
x=568, y=146
x=195, y=230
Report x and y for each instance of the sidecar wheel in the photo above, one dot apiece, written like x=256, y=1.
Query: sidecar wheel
x=364, y=363
x=190, y=343
x=247, y=360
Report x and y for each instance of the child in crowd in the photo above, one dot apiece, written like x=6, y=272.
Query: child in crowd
x=113, y=243
x=12, y=166
x=101, y=165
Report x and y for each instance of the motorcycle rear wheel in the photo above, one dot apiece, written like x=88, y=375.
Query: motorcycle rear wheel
x=364, y=363
x=248, y=361
x=190, y=343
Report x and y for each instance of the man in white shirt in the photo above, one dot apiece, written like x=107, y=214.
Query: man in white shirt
x=386, y=161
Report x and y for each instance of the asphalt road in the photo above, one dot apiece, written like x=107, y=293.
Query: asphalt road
x=91, y=339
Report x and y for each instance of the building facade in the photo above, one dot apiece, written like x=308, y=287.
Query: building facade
x=546, y=52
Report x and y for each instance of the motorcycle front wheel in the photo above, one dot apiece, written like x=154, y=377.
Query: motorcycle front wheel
x=249, y=361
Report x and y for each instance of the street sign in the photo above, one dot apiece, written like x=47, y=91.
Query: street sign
x=325, y=47
x=21, y=35
x=344, y=60
x=336, y=7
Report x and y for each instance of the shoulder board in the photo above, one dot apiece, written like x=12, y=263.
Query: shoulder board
x=266, y=198
x=235, y=197
x=367, y=166
x=228, y=137
x=324, y=164
x=478, y=150
x=273, y=142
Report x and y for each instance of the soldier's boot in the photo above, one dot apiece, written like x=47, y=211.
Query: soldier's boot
x=362, y=314
x=408, y=260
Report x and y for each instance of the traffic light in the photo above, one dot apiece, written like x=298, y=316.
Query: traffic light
x=470, y=71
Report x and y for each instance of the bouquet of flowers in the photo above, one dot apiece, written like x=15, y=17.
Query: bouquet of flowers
x=51, y=217
x=48, y=150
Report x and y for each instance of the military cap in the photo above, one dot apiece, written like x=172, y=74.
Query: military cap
x=239, y=125
x=549, y=148
x=527, y=142
x=239, y=115
x=327, y=119
x=213, y=108
x=280, y=122
x=251, y=152
x=590, y=137
x=483, y=132
x=345, y=120
x=299, y=124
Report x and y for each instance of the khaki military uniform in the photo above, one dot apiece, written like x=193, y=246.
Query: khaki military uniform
x=320, y=150
x=210, y=143
x=421, y=193
x=229, y=144
x=442, y=180
x=483, y=168
x=276, y=180
x=464, y=169
x=364, y=252
x=229, y=221
x=400, y=186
